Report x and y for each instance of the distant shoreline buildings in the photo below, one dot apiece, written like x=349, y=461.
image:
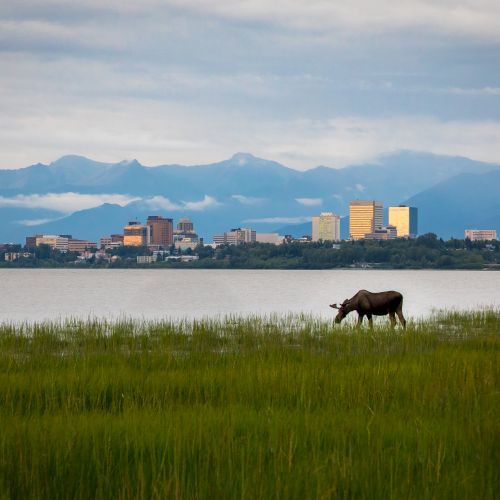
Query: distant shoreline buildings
x=161, y=240
x=366, y=221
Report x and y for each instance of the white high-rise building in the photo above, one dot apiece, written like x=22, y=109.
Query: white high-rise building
x=326, y=227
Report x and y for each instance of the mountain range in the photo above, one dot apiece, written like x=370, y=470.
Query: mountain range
x=88, y=199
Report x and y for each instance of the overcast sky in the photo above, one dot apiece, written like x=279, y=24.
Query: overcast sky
x=303, y=82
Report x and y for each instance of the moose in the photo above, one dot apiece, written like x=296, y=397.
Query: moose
x=370, y=304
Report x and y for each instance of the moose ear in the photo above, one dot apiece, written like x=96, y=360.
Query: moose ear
x=334, y=306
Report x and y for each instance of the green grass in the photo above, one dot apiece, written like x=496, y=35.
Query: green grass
x=276, y=407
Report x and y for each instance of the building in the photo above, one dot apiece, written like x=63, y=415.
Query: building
x=12, y=256
x=117, y=238
x=236, y=236
x=53, y=241
x=161, y=231
x=135, y=234
x=146, y=259
x=405, y=219
x=31, y=241
x=110, y=242
x=365, y=216
x=383, y=233
x=272, y=238
x=185, y=243
x=80, y=245
x=184, y=226
x=326, y=227
x=105, y=242
x=185, y=236
x=480, y=234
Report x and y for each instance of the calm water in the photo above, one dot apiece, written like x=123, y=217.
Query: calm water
x=37, y=294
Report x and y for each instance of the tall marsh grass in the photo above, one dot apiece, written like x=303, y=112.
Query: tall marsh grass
x=260, y=407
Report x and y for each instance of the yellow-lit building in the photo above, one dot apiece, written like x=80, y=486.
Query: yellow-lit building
x=55, y=242
x=405, y=219
x=326, y=227
x=364, y=217
x=135, y=234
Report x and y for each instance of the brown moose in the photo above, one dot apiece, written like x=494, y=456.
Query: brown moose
x=372, y=304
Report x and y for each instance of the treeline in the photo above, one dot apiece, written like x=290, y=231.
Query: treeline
x=425, y=252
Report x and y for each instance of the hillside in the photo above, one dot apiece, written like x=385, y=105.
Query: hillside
x=88, y=198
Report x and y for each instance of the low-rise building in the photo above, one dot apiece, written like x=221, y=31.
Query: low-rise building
x=85, y=255
x=53, y=241
x=383, y=233
x=12, y=256
x=111, y=242
x=105, y=241
x=273, y=238
x=480, y=234
x=306, y=238
x=146, y=259
x=102, y=255
x=236, y=236
x=183, y=244
x=80, y=245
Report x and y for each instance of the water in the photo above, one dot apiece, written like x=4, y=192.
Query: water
x=39, y=294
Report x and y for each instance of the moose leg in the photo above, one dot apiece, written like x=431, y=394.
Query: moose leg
x=360, y=320
x=370, y=321
x=392, y=318
x=402, y=320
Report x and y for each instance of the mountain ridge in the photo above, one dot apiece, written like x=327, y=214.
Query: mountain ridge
x=241, y=190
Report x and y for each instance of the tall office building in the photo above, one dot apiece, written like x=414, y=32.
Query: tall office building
x=405, y=219
x=135, y=234
x=365, y=216
x=160, y=231
x=326, y=227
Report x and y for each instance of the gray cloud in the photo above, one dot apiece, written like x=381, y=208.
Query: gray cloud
x=299, y=82
x=163, y=203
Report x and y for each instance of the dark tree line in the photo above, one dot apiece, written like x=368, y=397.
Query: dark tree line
x=424, y=252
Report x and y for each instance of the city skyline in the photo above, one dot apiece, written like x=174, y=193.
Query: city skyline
x=80, y=195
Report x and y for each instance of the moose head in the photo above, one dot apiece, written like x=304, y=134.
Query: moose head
x=342, y=310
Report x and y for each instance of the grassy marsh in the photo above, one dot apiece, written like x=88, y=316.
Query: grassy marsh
x=262, y=407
